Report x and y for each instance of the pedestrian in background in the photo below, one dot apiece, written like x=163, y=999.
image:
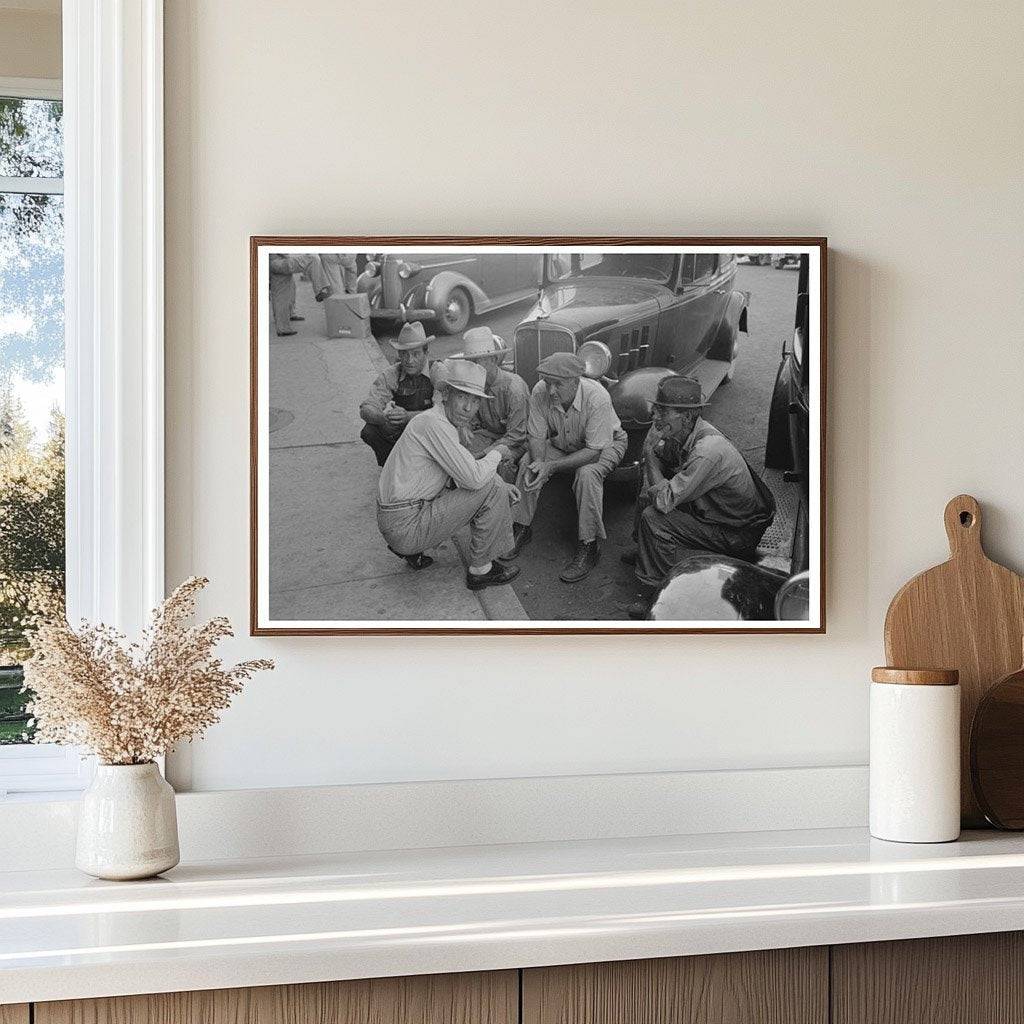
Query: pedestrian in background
x=340, y=272
x=283, y=268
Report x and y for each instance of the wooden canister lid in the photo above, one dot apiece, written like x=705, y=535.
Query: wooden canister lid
x=916, y=676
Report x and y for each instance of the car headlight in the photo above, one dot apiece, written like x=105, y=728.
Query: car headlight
x=597, y=358
x=793, y=601
x=407, y=270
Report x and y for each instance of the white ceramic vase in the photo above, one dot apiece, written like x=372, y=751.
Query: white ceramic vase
x=127, y=825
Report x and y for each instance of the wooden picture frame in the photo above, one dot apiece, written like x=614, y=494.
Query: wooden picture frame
x=570, y=257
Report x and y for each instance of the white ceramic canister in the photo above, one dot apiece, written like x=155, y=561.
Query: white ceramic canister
x=915, y=755
x=127, y=825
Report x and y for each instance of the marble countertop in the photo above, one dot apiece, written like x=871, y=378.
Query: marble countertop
x=262, y=922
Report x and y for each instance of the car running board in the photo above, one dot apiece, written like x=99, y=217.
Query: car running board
x=710, y=373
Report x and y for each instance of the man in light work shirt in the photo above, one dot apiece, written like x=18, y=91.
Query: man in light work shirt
x=698, y=492
x=431, y=486
x=401, y=392
x=571, y=428
x=503, y=419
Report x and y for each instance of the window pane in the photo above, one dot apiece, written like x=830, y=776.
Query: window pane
x=31, y=138
x=706, y=264
x=31, y=432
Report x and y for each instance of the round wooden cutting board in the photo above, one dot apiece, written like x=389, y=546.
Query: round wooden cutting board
x=967, y=614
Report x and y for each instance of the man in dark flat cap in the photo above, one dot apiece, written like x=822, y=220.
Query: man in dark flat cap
x=402, y=391
x=697, y=493
x=571, y=428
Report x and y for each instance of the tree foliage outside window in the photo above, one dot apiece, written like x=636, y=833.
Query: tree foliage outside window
x=31, y=371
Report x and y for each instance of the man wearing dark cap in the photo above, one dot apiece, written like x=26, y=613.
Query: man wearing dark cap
x=502, y=420
x=571, y=428
x=399, y=393
x=431, y=486
x=698, y=492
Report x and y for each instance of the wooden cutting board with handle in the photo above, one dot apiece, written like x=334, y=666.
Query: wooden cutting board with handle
x=967, y=614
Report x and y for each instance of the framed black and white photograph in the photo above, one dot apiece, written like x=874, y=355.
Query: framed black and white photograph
x=537, y=435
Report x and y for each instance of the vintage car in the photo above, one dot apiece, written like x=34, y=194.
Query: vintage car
x=635, y=318
x=707, y=586
x=445, y=289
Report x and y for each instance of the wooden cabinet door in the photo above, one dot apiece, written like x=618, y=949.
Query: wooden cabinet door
x=481, y=998
x=14, y=1013
x=777, y=986
x=960, y=979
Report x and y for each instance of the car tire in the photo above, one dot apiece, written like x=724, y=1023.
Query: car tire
x=777, y=451
x=454, y=313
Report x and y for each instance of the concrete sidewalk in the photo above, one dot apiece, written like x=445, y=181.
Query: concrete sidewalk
x=328, y=562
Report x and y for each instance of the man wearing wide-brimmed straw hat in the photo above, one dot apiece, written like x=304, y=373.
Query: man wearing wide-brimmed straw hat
x=399, y=393
x=698, y=492
x=431, y=486
x=503, y=419
x=571, y=428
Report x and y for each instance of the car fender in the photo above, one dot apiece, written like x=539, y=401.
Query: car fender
x=441, y=285
x=706, y=586
x=416, y=296
x=734, y=320
x=736, y=310
x=633, y=393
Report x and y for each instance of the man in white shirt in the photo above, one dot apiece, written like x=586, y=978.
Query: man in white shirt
x=431, y=486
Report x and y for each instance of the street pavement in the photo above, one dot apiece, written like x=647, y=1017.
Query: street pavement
x=327, y=558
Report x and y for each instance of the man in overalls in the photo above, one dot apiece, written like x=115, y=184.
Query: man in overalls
x=399, y=393
x=697, y=493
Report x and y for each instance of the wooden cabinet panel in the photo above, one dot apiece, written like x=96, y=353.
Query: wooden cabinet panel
x=962, y=979
x=778, y=986
x=14, y=1013
x=481, y=998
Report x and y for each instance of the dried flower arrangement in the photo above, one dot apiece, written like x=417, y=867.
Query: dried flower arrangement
x=130, y=703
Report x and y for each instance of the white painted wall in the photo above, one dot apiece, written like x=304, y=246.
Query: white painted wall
x=895, y=129
x=30, y=39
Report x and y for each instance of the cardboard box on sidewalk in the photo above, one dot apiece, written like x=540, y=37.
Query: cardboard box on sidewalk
x=348, y=316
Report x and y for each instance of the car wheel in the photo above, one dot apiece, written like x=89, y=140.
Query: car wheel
x=777, y=451
x=455, y=313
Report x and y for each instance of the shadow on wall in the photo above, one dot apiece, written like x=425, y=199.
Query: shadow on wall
x=853, y=287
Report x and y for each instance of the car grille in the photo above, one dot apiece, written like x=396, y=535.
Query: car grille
x=535, y=343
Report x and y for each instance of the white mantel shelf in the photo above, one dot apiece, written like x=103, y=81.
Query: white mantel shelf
x=263, y=922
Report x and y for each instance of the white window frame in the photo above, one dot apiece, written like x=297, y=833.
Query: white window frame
x=114, y=334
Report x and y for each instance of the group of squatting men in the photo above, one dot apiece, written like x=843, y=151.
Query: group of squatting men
x=465, y=442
